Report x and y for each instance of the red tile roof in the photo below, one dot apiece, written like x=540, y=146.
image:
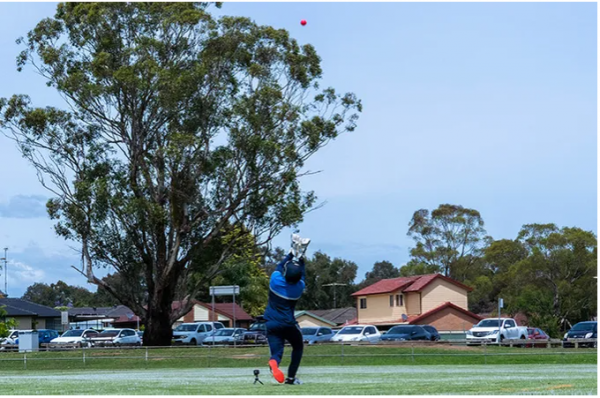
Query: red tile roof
x=414, y=319
x=225, y=309
x=386, y=285
x=406, y=284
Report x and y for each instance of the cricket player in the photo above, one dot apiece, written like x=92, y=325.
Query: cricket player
x=285, y=288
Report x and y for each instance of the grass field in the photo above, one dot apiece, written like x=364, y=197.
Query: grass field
x=366, y=370
x=334, y=380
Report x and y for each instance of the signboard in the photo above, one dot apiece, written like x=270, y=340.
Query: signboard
x=501, y=303
x=224, y=290
x=64, y=317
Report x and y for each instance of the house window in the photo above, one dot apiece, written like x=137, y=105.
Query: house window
x=363, y=303
x=399, y=300
x=391, y=301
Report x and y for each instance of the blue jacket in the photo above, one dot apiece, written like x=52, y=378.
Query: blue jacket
x=283, y=296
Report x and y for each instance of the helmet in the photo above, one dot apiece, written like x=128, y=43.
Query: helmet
x=292, y=271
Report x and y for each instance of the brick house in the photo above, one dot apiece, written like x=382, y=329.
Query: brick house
x=431, y=299
x=224, y=313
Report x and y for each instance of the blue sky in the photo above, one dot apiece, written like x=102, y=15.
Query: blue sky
x=488, y=105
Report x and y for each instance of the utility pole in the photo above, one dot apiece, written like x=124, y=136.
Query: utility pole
x=5, y=258
x=334, y=292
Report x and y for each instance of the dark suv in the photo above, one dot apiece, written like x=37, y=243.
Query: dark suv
x=435, y=336
x=582, y=330
x=256, y=334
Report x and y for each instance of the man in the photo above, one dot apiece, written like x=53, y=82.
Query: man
x=285, y=288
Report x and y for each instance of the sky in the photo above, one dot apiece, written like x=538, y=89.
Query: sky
x=491, y=106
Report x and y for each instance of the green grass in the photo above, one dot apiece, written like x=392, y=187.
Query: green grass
x=329, y=355
x=332, y=380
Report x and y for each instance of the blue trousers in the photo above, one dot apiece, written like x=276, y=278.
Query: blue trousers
x=277, y=334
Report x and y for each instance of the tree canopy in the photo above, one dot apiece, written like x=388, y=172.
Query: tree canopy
x=176, y=124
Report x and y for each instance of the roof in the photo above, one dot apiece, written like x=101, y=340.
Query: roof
x=225, y=309
x=298, y=314
x=20, y=307
x=415, y=319
x=406, y=284
x=338, y=315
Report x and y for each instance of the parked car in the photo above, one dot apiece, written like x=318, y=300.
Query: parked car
x=226, y=336
x=194, y=333
x=491, y=329
x=582, y=330
x=536, y=334
x=406, y=332
x=256, y=334
x=45, y=336
x=80, y=337
x=312, y=335
x=116, y=337
x=435, y=336
x=141, y=334
x=10, y=340
x=358, y=333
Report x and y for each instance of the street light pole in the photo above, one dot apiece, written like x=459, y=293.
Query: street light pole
x=5, y=258
x=334, y=292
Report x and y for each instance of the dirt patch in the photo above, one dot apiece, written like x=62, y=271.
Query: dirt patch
x=245, y=356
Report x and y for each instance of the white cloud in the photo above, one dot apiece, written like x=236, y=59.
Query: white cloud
x=20, y=273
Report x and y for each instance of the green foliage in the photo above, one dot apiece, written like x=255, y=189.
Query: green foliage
x=178, y=125
x=321, y=270
x=381, y=270
x=60, y=294
x=414, y=267
x=450, y=238
x=6, y=325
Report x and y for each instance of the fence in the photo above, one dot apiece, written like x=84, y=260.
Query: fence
x=342, y=353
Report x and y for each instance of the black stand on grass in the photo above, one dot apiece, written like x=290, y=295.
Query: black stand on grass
x=256, y=373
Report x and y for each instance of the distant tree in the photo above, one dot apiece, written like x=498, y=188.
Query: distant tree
x=449, y=239
x=321, y=270
x=414, y=267
x=381, y=270
x=6, y=324
x=555, y=282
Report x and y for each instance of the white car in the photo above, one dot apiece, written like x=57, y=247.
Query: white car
x=491, y=330
x=80, y=337
x=11, y=339
x=226, y=336
x=116, y=337
x=358, y=333
x=195, y=333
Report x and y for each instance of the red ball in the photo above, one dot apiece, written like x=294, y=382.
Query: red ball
x=303, y=22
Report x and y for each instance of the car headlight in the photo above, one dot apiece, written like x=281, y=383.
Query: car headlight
x=566, y=335
x=493, y=332
x=589, y=335
x=469, y=333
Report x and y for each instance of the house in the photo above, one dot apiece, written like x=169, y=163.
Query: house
x=119, y=316
x=310, y=319
x=30, y=315
x=432, y=299
x=224, y=313
x=339, y=316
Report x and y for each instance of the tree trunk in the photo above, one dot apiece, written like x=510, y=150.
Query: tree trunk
x=158, y=330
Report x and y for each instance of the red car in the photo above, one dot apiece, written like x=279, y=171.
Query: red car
x=537, y=334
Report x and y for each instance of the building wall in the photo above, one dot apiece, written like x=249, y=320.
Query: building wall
x=379, y=309
x=23, y=323
x=440, y=291
x=450, y=319
x=308, y=321
x=41, y=323
x=413, y=303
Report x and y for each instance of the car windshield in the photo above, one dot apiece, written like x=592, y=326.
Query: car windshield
x=257, y=326
x=73, y=333
x=351, y=330
x=584, y=326
x=488, y=323
x=186, y=328
x=224, y=332
x=309, y=331
x=109, y=333
x=401, y=330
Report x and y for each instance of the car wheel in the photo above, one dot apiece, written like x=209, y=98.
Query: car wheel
x=522, y=338
x=193, y=342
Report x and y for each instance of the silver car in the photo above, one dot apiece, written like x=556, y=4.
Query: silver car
x=312, y=335
x=226, y=336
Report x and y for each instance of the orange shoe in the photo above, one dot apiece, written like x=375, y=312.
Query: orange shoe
x=277, y=374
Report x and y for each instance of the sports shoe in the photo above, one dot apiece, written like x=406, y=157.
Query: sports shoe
x=277, y=374
x=293, y=380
